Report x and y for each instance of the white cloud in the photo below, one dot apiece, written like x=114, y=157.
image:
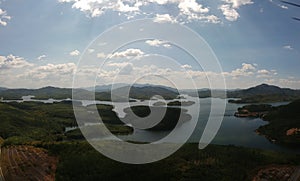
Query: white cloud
x=184, y=10
x=263, y=71
x=230, y=13
x=238, y=3
x=283, y=7
x=288, y=47
x=11, y=62
x=117, y=64
x=91, y=50
x=15, y=71
x=126, y=70
x=42, y=57
x=101, y=55
x=51, y=72
x=245, y=70
x=75, y=53
x=98, y=7
x=164, y=18
x=158, y=43
x=4, y=17
x=230, y=7
x=129, y=53
x=189, y=7
x=186, y=66
x=210, y=19
x=261, y=10
x=191, y=10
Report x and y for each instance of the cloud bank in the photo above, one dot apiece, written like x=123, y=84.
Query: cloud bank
x=185, y=10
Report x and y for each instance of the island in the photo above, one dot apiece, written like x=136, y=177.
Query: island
x=172, y=117
x=284, y=122
x=181, y=103
x=174, y=103
x=259, y=110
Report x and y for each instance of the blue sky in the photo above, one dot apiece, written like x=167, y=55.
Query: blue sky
x=255, y=41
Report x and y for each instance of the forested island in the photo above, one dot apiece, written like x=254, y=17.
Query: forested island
x=284, y=121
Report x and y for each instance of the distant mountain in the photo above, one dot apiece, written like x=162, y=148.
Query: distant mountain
x=257, y=94
x=43, y=93
x=141, y=92
x=264, y=93
x=266, y=89
x=2, y=89
x=106, y=88
x=146, y=92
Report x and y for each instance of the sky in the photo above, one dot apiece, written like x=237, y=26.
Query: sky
x=43, y=43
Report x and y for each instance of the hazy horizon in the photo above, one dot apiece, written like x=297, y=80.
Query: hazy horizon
x=142, y=84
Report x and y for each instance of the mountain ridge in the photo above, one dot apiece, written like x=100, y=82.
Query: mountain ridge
x=259, y=93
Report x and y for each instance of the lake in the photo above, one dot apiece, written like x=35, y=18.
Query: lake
x=233, y=131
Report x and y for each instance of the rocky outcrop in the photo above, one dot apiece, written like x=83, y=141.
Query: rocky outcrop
x=293, y=131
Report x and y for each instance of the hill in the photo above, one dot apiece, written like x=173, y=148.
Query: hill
x=284, y=124
x=264, y=93
x=2, y=89
x=145, y=93
x=36, y=121
x=257, y=94
x=44, y=93
x=109, y=87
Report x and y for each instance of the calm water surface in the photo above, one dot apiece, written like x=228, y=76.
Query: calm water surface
x=233, y=131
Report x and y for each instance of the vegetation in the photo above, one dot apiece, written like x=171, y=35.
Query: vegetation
x=183, y=103
x=262, y=94
x=257, y=108
x=254, y=110
x=44, y=146
x=282, y=119
x=144, y=93
x=1, y=141
x=93, y=130
x=172, y=117
x=264, y=99
x=35, y=121
x=189, y=163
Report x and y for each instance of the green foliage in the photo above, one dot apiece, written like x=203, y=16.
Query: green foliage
x=94, y=130
x=280, y=120
x=183, y=103
x=107, y=114
x=172, y=117
x=144, y=93
x=17, y=140
x=37, y=121
x=79, y=161
x=264, y=99
x=1, y=140
x=257, y=108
